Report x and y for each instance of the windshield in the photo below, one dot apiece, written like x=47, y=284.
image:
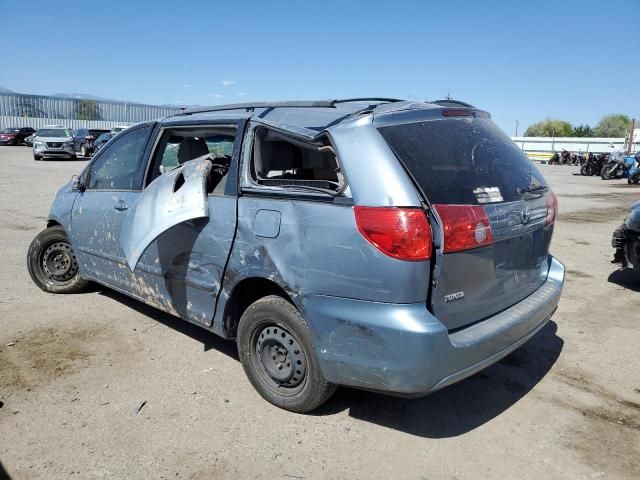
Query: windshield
x=10, y=130
x=463, y=161
x=104, y=137
x=54, y=132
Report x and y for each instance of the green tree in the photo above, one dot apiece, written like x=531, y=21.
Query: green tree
x=550, y=127
x=583, y=131
x=87, y=110
x=614, y=125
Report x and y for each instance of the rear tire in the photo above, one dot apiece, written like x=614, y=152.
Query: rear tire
x=278, y=356
x=52, y=264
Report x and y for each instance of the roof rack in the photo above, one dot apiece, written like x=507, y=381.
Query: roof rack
x=252, y=106
x=249, y=107
x=450, y=102
x=367, y=99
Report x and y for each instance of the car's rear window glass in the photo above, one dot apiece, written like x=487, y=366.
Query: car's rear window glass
x=462, y=161
x=10, y=130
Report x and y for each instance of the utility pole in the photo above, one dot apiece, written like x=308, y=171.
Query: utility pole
x=516, y=129
x=630, y=144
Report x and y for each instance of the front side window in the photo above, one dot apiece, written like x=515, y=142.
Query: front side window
x=179, y=145
x=118, y=165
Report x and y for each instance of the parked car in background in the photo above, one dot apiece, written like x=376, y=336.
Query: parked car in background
x=382, y=244
x=119, y=128
x=101, y=140
x=54, y=141
x=15, y=136
x=626, y=239
x=84, y=138
x=28, y=141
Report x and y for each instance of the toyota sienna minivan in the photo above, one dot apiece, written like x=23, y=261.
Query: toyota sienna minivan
x=388, y=245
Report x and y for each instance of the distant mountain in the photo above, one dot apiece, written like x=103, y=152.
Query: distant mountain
x=82, y=96
x=5, y=90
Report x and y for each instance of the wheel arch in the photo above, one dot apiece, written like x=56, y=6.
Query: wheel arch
x=243, y=294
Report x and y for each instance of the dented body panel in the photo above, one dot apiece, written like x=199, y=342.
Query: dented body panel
x=183, y=250
x=171, y=199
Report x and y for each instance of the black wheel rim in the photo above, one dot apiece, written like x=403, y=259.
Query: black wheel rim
x=281, y=359
x=58, y=262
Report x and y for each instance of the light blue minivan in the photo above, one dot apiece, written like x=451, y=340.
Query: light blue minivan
x=382, y=244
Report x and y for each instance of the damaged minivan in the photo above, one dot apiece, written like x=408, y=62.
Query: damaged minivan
x=381, y=244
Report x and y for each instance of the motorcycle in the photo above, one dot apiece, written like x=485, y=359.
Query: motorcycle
x=555, y=159
x=617, y=167
x=593, y=164
x=634, y=172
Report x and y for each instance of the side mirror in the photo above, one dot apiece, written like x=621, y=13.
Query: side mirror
x=76, y=184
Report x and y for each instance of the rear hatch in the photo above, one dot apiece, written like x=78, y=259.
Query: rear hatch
x=492, y=210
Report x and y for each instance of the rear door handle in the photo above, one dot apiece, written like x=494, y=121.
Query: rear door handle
x=120, y=206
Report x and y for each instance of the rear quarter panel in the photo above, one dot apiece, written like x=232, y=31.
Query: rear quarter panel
x=316, y=249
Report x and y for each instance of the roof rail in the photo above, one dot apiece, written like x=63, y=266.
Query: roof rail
x=252, y=106
x=367, y=99
x=450, y=102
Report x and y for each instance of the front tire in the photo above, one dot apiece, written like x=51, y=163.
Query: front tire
x=278, y=356
x=52, y=264
x=37, y=157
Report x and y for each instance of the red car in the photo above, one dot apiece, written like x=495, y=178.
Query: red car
x=15, y=136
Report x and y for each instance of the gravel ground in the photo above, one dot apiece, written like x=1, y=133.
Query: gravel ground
x=98, y=385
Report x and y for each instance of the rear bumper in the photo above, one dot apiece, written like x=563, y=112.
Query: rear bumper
x=404, y=349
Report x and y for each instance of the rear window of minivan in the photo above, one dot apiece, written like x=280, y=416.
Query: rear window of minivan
x=466, y=161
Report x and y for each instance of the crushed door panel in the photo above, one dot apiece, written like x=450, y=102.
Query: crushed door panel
x=172, y=198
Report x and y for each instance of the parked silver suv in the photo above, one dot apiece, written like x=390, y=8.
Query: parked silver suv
x=53, y=141
x=381, y=244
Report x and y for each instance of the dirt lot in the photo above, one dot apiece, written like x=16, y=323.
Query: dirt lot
x=97, y=385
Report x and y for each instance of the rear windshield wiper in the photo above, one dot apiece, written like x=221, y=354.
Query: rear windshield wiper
x=531, y=189
x=311, y=189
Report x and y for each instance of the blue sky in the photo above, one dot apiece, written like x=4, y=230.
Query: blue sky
x=520, y=60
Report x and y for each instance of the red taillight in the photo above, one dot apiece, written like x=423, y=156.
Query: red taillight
x=456, y=112
x=465, y=227
x=402, y=233
x=552, y=208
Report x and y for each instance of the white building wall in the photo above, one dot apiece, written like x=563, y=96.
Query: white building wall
x=545, y=146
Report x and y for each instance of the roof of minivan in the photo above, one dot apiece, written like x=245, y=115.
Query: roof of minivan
x=316, y=115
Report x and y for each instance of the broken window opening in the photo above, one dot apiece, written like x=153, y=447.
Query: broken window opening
x=179, y=145
x=284, y=162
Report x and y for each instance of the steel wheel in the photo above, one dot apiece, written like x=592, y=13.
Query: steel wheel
x=52, y=263
x=278, y=355
x=282, y=359
x=59, y=262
